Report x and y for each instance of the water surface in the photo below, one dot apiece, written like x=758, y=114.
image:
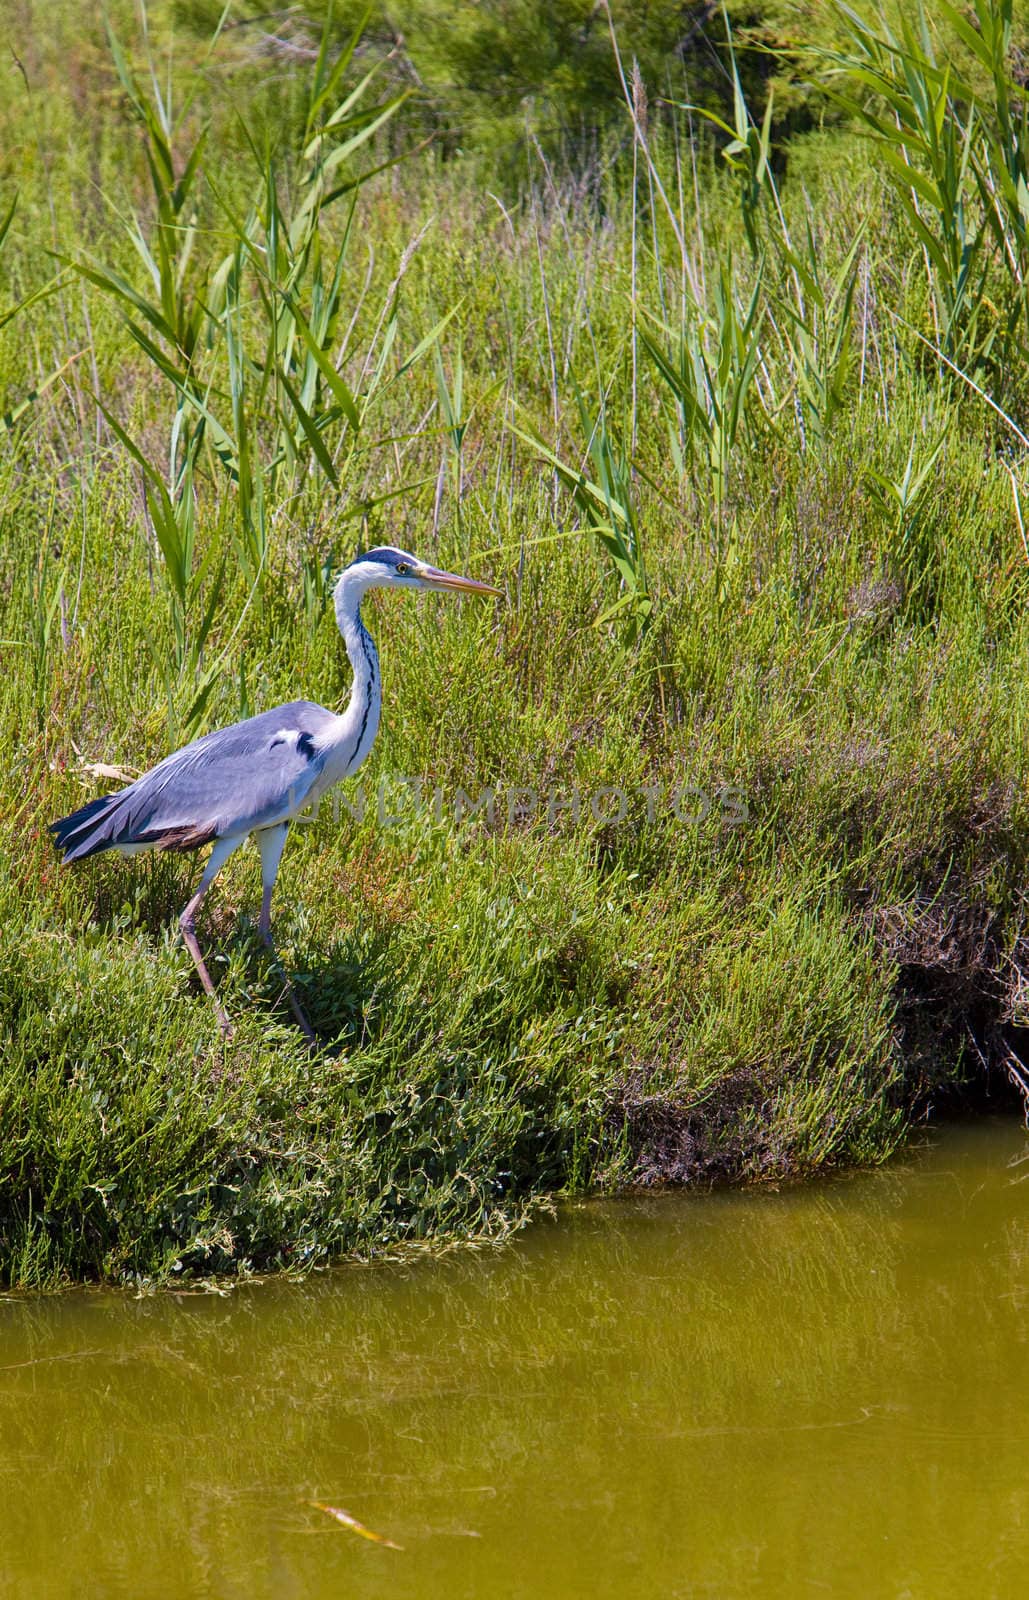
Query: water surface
x=818, y=1391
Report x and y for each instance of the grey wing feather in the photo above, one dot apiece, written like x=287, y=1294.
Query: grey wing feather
x=247, y=776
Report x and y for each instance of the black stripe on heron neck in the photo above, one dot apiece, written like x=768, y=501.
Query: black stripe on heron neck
x=371, y=660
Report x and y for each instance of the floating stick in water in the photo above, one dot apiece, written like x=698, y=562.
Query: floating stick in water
x=356, y=1527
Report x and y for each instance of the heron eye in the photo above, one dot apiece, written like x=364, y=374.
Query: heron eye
x=403, y=568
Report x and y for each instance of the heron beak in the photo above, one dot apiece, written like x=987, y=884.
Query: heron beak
x=433, y=578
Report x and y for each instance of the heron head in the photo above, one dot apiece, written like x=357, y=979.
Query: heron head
x=389, y=568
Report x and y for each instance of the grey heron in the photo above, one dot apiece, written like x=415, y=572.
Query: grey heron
x=255, y=776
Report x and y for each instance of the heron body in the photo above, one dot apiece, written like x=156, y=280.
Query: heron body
x=254, y=777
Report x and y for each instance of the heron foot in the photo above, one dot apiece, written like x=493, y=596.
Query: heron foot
x=298, y=1011
x=264, y=929
x=189, y=939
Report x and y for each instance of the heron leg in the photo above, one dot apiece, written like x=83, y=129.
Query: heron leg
x=223, y=849
x=270, y=842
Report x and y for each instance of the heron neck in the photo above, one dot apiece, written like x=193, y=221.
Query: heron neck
x=360, y=721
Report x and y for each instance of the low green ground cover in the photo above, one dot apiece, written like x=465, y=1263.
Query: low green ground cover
x=750, y=894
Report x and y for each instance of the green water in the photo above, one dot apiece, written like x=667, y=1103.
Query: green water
x=821, y=1391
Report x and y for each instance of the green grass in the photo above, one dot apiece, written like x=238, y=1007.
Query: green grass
x=831, y=622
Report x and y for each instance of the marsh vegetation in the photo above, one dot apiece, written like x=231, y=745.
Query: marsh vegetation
x=734, y=407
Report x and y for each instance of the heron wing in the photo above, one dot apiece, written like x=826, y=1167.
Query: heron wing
x=250, y=775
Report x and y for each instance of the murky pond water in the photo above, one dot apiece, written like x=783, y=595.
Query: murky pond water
x=821, y=1391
